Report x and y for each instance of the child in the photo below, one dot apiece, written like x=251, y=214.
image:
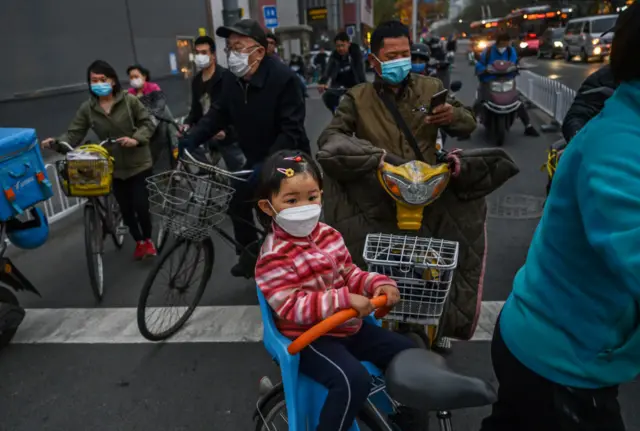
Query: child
x=306, y=274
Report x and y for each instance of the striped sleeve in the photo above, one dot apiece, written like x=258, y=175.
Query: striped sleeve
x=358, y=281
x=286, y=292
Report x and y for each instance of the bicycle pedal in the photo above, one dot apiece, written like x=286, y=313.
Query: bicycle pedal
x=122, y=230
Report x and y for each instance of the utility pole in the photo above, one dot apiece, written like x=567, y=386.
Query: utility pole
x=358, y=35
x=414, y=21
x=230, y=12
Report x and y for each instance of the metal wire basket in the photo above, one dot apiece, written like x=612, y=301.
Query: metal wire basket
x=423, y=269
x=85, y=178
x=188, y=204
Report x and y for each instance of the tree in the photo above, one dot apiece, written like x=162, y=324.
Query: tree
x=383, y=10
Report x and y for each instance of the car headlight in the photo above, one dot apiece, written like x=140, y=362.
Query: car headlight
x=482, y=44
x=557, y=44
x=502, y=86
x=597, y=50
x=595, y=41
x=523, y=45
x=413, y=193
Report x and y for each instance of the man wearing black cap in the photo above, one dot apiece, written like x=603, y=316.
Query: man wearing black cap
x=263, y=100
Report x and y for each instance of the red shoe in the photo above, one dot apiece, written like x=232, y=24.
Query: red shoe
x=150, y=248
x=141, y=250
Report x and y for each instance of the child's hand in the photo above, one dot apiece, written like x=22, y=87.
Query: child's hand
x=392, y=292
x=362, y=304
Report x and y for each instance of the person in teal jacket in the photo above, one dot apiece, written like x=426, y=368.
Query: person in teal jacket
x=569, y=333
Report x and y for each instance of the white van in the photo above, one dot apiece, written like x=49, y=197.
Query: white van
x=582, y=37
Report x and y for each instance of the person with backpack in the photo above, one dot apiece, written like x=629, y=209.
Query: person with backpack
x=501, y=50
x=111, y=112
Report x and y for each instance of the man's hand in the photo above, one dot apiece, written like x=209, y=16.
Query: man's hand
x=442, y=115
x=362, y=304
x=220, y=135
x=127, y=142
x=322, y=88
x=47, y=143
x=392, y=292
x=184, y=128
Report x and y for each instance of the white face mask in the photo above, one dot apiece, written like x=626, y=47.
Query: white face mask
x=137, y=83
x=202, y=61
x=239, y=63
x=502, y=50
x=299, y=221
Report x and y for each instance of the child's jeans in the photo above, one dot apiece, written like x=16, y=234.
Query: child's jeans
x=335, y=363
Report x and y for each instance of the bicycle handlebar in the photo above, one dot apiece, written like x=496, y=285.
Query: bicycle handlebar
x=332, y=322
x=238, y=175
x=70, y=148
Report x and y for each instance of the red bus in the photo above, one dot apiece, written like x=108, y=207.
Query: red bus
x=526, y=25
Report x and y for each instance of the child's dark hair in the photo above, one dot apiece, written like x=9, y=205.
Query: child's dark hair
x=276, y=168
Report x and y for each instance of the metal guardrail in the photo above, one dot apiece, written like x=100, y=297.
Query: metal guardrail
x=59, y=205
x=549, y=95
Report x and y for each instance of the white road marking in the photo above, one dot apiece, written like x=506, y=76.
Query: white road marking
x=210, y=324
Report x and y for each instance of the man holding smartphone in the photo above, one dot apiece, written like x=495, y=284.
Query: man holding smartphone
x=394, y=119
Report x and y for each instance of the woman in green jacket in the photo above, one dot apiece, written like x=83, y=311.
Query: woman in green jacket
x=112, y=113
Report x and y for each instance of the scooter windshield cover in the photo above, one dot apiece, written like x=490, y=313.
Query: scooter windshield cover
x=415, y=183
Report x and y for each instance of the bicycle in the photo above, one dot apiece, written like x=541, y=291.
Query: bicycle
x=86, y=172
x=191, y=202
x=415, y=378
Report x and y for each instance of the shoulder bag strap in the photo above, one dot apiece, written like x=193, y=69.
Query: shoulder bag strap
x=391, y=106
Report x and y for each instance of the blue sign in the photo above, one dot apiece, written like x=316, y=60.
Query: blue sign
x=270, y=16
x=351, y=30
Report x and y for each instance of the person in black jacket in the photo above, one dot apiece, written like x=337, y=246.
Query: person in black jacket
x=345, y=68
x=588, y=103
x=262, y=99
x=206, y=88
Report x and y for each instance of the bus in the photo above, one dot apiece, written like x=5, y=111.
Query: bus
x=483, y=34
x=525, y=26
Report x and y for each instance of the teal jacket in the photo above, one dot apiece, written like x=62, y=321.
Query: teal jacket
x=573, y=315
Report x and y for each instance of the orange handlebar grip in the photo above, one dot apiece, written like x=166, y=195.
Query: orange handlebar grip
x=328, y=324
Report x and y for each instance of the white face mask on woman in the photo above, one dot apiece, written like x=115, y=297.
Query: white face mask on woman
x=137, y=83
x=298, y=221
x=239, y=63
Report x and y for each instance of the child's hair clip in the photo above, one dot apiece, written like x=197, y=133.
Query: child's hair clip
x=286, y=172
x=296, y=159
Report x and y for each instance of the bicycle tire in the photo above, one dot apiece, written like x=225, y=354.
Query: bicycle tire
x=7, y=297
x=93, y=235
x=116, y=222
x=271, y=409
x=207, y=247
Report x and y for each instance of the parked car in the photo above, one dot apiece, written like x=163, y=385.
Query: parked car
x=582, y=37
x=552, y=43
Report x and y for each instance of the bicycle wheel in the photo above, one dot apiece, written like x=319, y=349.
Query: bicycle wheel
x=273, y=412
x=12, y=319
x=185, y=257
x=118, y=229
x=93, y=235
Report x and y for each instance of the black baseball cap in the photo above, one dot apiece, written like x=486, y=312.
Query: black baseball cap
x=245, y=27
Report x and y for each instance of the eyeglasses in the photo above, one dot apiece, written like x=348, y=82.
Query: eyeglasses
x=228, y=49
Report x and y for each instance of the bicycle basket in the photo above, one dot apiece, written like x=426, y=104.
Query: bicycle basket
x=423, y=269
x=189, y=205
x=85, y=173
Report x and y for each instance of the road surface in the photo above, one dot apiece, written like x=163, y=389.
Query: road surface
x=78, y=367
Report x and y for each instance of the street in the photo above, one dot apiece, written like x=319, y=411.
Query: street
x=77, y=367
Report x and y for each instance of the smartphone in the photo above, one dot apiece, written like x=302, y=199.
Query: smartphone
x=438, y=99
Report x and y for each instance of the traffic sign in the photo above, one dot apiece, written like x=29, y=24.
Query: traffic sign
x=351, y=30
x=270, y=14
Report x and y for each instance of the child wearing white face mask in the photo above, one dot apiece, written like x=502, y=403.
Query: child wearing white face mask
x=306, y=274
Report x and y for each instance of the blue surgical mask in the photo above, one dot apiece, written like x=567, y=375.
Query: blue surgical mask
x=101, y=89
x=418, y=67
x=395, y=71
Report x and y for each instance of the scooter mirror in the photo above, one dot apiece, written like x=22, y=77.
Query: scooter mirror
x=456, y=86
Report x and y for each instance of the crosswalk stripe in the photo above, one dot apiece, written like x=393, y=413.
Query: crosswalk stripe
x=209, y=324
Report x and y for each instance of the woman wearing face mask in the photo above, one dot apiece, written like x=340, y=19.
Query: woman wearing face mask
x=164, y=139
x=139, y=79
x=111, y=112
x=306, y=274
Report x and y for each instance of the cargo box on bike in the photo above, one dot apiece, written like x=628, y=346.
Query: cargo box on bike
x=23, y=177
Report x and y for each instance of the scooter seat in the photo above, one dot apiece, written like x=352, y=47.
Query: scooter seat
x=420, y=379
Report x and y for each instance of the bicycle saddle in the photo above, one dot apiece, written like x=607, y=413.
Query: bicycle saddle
x=420, y=379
